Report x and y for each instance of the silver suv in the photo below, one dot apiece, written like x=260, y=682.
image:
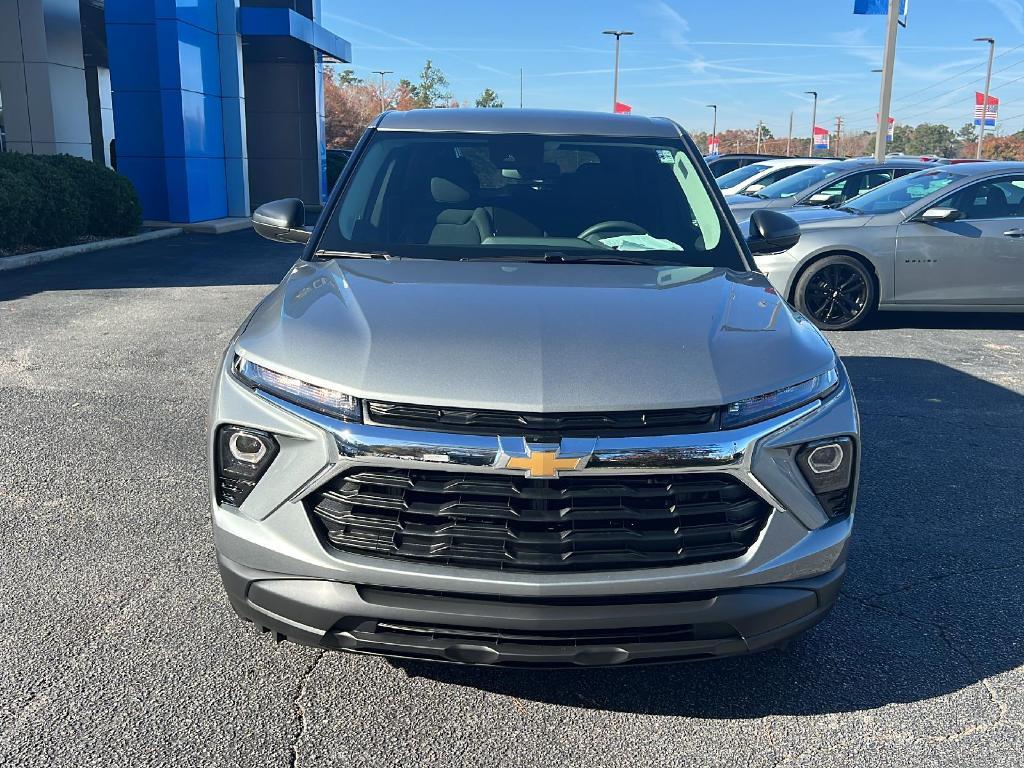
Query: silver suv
x=524, y=400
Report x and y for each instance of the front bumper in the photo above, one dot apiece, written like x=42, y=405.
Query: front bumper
x=280, y=574
x=535, y=632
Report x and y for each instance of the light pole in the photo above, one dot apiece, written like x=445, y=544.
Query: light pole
x=714, y=124
x=619, y=33
x=814, y=119
x=885, y=96
x=988, y=81
x=382, y=72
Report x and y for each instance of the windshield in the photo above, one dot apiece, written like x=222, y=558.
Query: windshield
x=733, y=178
x=900, y=193
x=519, y=196
x=798, y=182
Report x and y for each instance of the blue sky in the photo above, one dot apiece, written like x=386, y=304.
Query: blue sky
x=754, y=58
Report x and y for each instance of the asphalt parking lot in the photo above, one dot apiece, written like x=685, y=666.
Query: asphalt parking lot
x=120, y=649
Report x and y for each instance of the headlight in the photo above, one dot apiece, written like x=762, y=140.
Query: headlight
x=325, y=400
x=781, y=400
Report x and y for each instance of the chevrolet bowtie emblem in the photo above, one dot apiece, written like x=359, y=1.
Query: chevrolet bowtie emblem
x=543, y=463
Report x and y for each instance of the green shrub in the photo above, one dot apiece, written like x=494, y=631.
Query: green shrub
x=53, y=200
x=112, y=206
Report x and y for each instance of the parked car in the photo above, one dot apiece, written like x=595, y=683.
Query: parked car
x=524, y=401
x=948, y=238
x=757, y=176
x=722, y=164
x=828, y=184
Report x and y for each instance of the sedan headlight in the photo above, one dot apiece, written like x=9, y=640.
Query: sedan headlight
x=326, y=400
x=762, y=407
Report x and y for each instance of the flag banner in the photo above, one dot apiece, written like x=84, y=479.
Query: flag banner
x=713, y=145
x=991, y=112
x=820, y=137
x=622, y=109
x=891, y=129
x=876, y=7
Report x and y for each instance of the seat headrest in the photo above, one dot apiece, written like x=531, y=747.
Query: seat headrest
x=447, y=191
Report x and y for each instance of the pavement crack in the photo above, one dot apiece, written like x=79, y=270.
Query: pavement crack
x=936, y=578
x=300, y=710
x=941, y=630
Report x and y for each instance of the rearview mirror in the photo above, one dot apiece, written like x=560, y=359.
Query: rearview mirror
x=282, y=220
x=823, y=198
x=935, y=215
x=771, y=232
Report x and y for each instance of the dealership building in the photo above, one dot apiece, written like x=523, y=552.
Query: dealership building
x=210, y=107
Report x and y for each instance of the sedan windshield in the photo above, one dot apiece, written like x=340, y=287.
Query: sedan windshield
x=734, y=178
x=798, y=182
x=900, y=193
x=529, y=197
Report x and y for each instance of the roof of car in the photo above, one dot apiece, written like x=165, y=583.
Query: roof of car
x=782, y=162
x=862, y=163
x=543, y=121
x=987, y=166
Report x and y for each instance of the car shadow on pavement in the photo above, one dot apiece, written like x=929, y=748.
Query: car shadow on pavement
x=1013, y=321
x=931, y=603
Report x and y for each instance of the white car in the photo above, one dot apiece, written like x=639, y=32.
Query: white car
x=757, y=176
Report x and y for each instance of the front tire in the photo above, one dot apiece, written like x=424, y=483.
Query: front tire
x=837, y=293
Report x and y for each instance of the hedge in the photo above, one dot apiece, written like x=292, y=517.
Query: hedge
x=52, y=200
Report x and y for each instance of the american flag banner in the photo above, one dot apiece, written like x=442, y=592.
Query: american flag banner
x=820, y=137
x=991, y=114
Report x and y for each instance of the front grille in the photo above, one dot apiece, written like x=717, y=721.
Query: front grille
x=506, y=522
x=514, y=423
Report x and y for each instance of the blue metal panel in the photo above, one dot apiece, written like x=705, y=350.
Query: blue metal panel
x=130, y=47
x=149, y=176
x=198, y=13
x=139, y=124
x=284, y=22
x=196, y=189
x=202, y=124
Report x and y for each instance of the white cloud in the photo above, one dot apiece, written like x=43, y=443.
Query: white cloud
x=1013, y=11
x=673, y=26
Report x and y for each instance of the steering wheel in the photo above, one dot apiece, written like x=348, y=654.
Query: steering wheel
x=606, y=228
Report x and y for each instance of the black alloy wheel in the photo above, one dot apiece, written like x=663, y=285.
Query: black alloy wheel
x=837, y=293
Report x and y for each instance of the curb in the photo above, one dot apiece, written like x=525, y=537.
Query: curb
x=40, y=257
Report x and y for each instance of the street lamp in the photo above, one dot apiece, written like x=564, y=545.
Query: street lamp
x=619, y=33
x=714, y=124
x=814, y=119
x=988, y=81
x=382, y=72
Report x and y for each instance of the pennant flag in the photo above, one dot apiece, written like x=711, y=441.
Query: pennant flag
x=622, y=109
x=876, y=7
x=713, y=145
x=820, y=137
x=991, y=113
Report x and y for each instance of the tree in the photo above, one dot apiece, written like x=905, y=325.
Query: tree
x=901, y=136
x=489, y=99
x=433, y=88
x=348, y=77
x=933, y=139
x=968, y=133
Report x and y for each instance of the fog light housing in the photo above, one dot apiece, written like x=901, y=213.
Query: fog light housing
x=241, y=457
x=827, y=466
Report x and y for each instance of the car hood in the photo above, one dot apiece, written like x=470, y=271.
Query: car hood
x=533, y=337
x=750, y=203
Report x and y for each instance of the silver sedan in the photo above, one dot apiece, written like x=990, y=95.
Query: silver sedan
x=948, y=238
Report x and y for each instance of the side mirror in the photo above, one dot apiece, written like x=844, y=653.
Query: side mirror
x=823, y=198
x=753, y=188
x=282, y=220
x=771, y=232
x=935, y=215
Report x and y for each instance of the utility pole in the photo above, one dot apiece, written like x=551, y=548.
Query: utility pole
x=885, y=97
x=520, y=87
x=759, y=137
x=714, y=124
x=988, y=82
x=839, y=134
x=789, y=138
x=382, y=72
x=619, y=33
x=814, y=120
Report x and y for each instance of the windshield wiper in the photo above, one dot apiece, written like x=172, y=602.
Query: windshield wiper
x=561, y=257
x=850, y=209
x=355, y=254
